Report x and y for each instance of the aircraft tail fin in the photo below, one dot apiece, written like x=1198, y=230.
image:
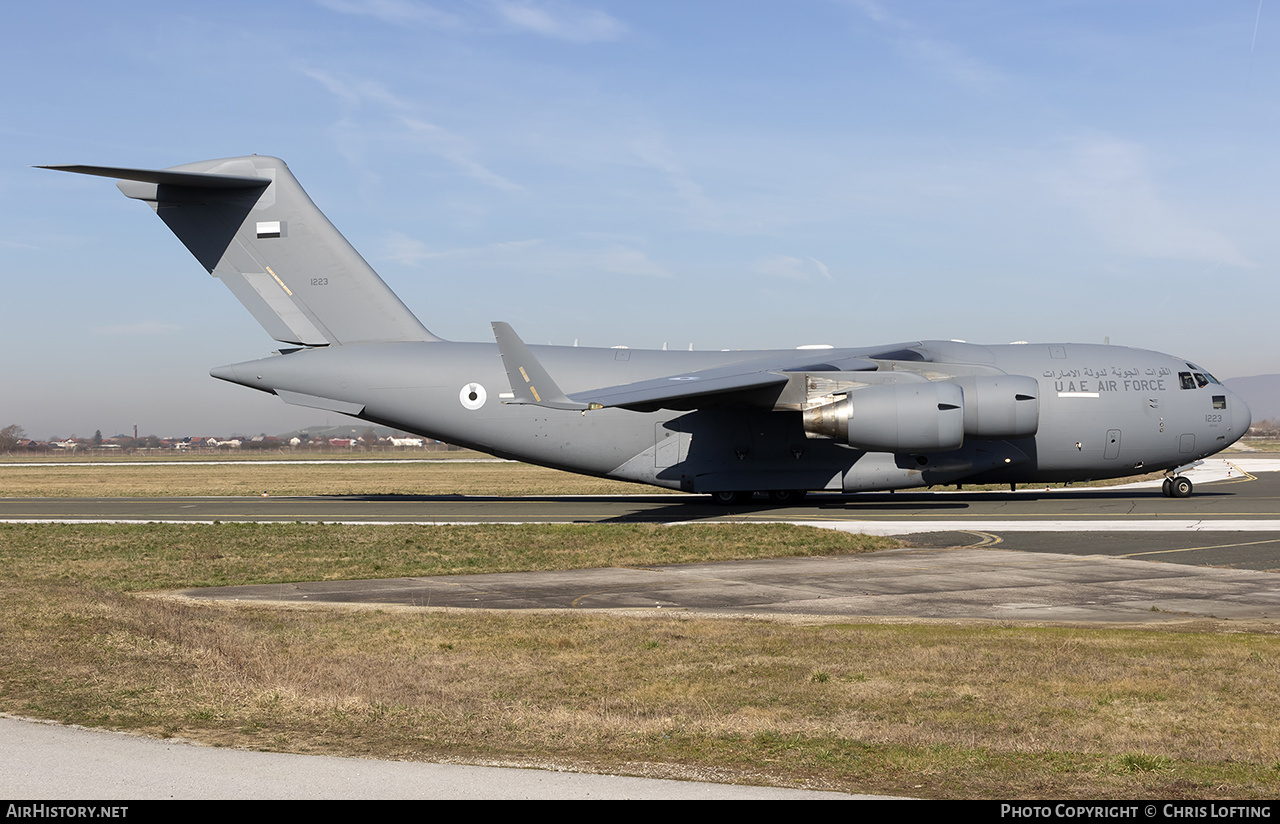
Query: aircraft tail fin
x=249, y=222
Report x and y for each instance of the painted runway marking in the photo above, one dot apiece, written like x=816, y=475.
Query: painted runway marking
x=1197, y=548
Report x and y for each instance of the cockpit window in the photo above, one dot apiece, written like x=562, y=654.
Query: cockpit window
x=1219, y=401
x=1205, y=372
x=1197, y=378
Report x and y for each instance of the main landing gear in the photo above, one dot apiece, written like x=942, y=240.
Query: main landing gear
x=1178, y=486
x=781, y=497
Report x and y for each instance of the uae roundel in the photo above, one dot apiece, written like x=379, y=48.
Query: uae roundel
x=472, y=396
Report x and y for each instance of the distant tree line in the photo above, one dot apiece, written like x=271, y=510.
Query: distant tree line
x=10, y=437
x=1267, y=430
x=13, y=439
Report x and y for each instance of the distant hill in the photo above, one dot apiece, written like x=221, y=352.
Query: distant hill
x=1261, y=392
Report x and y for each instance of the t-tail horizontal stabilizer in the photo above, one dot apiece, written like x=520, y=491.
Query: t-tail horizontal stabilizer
x=166, y=177
x=530, y=383
x=248, y=222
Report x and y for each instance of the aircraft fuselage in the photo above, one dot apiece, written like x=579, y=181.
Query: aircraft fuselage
x=1105, y=412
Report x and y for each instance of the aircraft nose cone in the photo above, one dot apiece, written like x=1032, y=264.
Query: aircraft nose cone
x=1241, y=417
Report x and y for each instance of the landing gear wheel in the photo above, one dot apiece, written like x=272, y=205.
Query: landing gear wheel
x=1166, y=488
x=1180, y=487
x=787, y=496
x=730, y=498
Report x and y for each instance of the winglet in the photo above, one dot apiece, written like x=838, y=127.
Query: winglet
x=526, y=374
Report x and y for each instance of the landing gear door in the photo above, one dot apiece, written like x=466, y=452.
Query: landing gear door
x=670, y=446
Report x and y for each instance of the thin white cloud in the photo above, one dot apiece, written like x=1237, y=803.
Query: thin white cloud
x=822, y=268
x=352, y=133
x=560, y=21
x=413, y=252
x=945, y=58
x=395, y=12
x=546, y=18
x=654, y=152
x=792, y=268
x=622, y=260
x=529, y=258
x=456, y=150
x=355, y=92
x=143, y=329
x=953, y=63
x=1109, y=182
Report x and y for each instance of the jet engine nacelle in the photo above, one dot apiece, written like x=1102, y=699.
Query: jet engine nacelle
x=1000, y=406
x=905, y=417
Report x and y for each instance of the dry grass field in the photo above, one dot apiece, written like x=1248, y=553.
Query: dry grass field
x=910, y=708
x=459, y=474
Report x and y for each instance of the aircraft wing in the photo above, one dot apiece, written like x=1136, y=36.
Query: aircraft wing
x=734, y=383
x=683, y=391
x=749, y=382
x=721, y=384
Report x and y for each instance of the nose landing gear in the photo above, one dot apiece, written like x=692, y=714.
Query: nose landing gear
x=1177, y=485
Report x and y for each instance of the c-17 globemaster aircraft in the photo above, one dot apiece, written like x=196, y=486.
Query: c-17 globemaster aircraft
x=731, y=424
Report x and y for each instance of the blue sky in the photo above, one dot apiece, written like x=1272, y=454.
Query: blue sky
x=727, y=174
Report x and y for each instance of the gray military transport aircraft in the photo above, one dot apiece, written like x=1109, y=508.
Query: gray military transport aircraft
x=731, y=424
